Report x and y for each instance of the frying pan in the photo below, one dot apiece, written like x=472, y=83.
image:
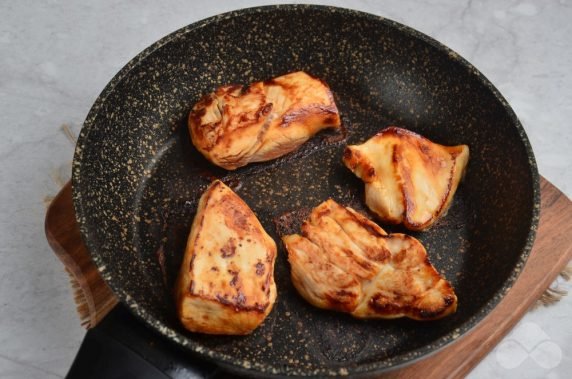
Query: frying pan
x=137, y=178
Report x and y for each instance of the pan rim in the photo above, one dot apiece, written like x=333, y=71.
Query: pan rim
x=254, y=367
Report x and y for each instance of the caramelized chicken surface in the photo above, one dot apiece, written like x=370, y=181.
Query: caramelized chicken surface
x=408, y=179
x=234, y=126
x=226, y=281
x=343, y=261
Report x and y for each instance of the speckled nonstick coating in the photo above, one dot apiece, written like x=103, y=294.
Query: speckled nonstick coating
x=137, y=178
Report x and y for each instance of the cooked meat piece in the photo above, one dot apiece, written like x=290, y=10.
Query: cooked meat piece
x=345, y=262
x=408, y=179
x=226, y=282
x=235, y=126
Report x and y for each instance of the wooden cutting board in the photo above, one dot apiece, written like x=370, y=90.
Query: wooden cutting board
x=551, y=252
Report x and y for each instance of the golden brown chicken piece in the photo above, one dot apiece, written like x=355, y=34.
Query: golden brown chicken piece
x=408, y=179
x=345, y=262
x=226, y=282
x=235, y=126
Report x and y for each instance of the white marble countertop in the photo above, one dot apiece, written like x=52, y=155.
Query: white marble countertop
x=56, y=57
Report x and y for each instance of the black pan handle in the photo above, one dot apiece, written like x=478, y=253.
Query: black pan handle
x=101, y=356
x=121, y=346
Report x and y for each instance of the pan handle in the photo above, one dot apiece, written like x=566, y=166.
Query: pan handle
x=101, y=356
x=122, y=347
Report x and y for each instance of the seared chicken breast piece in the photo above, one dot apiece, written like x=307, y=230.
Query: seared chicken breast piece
x=408, y=179
x=343, y=261
x=234, y=125
x=226, y=282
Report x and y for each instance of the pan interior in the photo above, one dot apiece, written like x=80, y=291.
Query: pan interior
x=137, y=177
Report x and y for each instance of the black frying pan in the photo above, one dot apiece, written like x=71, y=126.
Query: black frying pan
x=137, y=178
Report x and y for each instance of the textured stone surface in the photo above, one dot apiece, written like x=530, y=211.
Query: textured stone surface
x=58, y=55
